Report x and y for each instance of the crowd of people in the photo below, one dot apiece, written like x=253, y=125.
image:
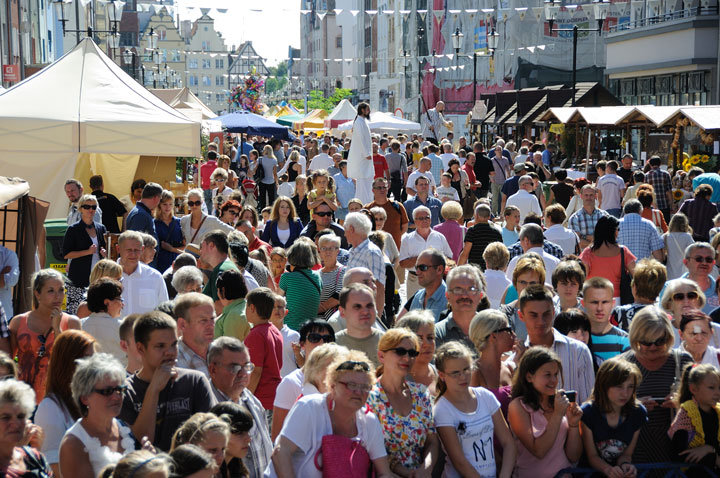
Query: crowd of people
x=482, y=315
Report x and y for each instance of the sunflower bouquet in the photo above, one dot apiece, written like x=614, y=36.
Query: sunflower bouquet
x=704, y=161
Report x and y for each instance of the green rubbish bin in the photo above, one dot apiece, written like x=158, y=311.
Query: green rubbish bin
x=54, y=234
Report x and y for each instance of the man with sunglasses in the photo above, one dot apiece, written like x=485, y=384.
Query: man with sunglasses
x=357, y=307
x=230, y=368
x=141, y=217
x=699, y=260
x=322, y=218
x=464, y=292
x=414, y=243
x=430, y=268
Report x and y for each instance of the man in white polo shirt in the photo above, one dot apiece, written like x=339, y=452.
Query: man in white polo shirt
x=413, y=243
x=143, y=287
x=525, y=199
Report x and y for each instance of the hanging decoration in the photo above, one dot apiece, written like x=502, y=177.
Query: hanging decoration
x=246, y=95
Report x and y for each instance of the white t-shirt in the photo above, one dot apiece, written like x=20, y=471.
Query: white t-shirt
x=611, y=187
x=309, y=421
x=474, y=430
x=446, y=157
x=289, y=336
x=321, y=161
x=289, y=389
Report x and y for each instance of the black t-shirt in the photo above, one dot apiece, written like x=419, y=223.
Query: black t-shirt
x=480, y=235
x=625, y=174
x=181, y=398
x=482, y=169
x=111, y=208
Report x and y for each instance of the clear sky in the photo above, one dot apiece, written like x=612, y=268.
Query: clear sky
x=271, y=25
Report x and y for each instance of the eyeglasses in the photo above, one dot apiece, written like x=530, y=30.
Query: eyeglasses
x=401, y=352
x=659, y=342
x=233, y=212
x=235, y=368
x=504, y=329
x=106, y=392
x=681, y=296
x=122, y=301
x=461, y=291
x=194, y=203
x=423, y=218
x=357, y=387
x=352, y=365
x=423, y=267
x=459, y=373
x=219, y=180
x=87, y=207
x=314, y=338
x=323, y=214
x=708, y=260
x=329, y=249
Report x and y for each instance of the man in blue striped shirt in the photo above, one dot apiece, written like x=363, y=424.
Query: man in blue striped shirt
x=607, y=340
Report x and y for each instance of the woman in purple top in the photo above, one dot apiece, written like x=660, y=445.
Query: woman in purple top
x=452, y=227
x=492, y=335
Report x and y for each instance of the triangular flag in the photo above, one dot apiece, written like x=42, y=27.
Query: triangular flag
x=321, y=15
x=449, y=56
x=423, y=14
x=454, y=12
x=471, y=10
x=338, y=11
x=354, y=12
x=221, y=10
x=371, y=12
x=438, y=14
x=304, y=12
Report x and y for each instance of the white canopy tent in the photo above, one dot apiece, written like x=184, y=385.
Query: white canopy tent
x=85, y=107
x=342, y=113
x=385, y=122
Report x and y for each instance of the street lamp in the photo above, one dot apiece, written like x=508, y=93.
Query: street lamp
x=457, y=40
x=152, y=40
x=129, y=58
x=492, y=41
x=115, y=14
x=551, y=10
x=405, y=56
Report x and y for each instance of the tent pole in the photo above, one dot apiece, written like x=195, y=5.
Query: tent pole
x=587, y=158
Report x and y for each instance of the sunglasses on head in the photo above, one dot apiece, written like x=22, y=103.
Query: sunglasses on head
x=89, y=206
x=194, y=203
x=657, y=343
x=106, y=392
x=323, y=214
x=314, y=338
x=681, y=296
x=708, y=260
x=401, y=352
x=234, y=213
x=353, y=365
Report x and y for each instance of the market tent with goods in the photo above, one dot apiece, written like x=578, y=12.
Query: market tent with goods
x=102, y=123
x=342, y=113
x=385, y=122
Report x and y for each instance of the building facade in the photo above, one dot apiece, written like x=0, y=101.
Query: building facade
x=207, y=67
x=243, y=62
x=170, y=71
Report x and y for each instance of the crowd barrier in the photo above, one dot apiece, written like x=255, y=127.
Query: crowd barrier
x=647, y=470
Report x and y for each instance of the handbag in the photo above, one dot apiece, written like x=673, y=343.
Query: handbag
x=343, y=456
x=626, y=295
x=468, y=204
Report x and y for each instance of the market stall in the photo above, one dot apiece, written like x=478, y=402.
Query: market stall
x=386, y=123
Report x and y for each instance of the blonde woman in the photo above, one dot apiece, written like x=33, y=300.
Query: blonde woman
x=269, y=179
x=169, y=232
x=221, y=192
x=422, y=322
x=223, y=162
x=316, y=367
x=103, y=268
x=196, y=224
x=677, y=239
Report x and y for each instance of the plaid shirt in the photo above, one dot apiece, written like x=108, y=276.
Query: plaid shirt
x=367, y=254
x=187, y=358
x=584, y=223
x=4, y=328
x=660, y=181
x=549, y=247
x=639, y=235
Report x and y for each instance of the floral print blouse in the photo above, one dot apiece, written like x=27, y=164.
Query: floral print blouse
x=404, y=435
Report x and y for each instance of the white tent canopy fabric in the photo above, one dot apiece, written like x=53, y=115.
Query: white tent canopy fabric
x=84, y=103
x=382, y=122
x=183, y=99
x=343, y=112
x=706, y=117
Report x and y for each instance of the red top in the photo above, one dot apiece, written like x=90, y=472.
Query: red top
x=380, y=164
x=471, y=175
x=264, y=342
x=258, y=243
x=32, y=364
x=206, y=171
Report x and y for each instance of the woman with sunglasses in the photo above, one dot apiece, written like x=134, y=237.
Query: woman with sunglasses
x=169, y=232
x=98, y=439
x=33, y=333
x=284, y=225
x=313, y=333
x=83, y=246
x=196, y=224
x=678, y=297
x=403, y=407
x=340, y=414
x=651, y=343
x=229, y=212
x=422, y=322
x=58, y=411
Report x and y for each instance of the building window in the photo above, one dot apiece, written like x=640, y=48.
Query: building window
x=206, y=64
x=162, y=34
x=219, y=80
x=338, y=41
x=127, y=39
x=206, y=80
x=219, y=64
x=192, y=64
x=218, y=97
x=204, y=46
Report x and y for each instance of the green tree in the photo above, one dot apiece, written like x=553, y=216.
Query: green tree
x=277, y=79
x=316, y=99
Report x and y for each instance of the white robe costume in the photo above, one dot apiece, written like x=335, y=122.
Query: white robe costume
x=359, y=167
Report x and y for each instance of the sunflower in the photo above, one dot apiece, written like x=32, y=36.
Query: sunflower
x=677, y=194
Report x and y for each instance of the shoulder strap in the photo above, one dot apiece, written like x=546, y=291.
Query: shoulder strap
x=311, y=281
x=192, y=240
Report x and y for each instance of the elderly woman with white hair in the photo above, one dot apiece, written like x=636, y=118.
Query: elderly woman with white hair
x=680, y=296
x=98, y=439
x=332, y=274
x=187, y=279
x=17, y=402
